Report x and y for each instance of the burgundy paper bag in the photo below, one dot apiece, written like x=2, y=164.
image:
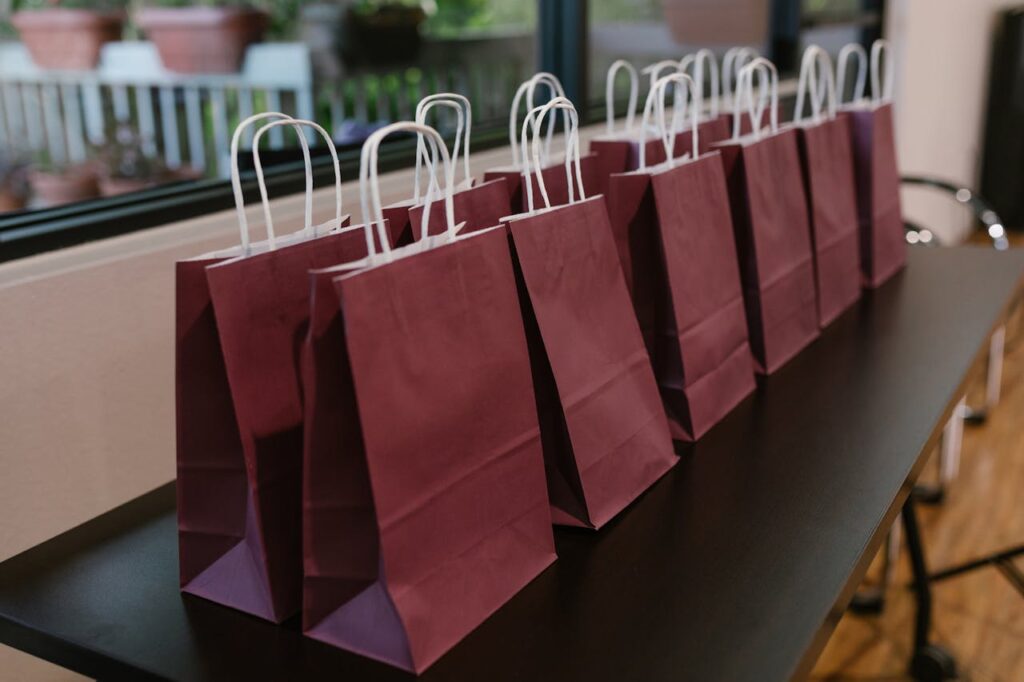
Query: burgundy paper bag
x=238, y=477
x=612, y=154
x=605, y=436
x=612, y=148
x=680, y=266
x=769, y=211
x=771, y=225
x=212, y=485
x=703, y=65
x=883, y=246
x=827, y=163
x=238, y=451
x=477, y=208
x=399, y=227
x=424, y=486
x=554, y=180
x=622, y=154
x=674, y=233
x=708, y=133
x=240, y=423
x=729, y=119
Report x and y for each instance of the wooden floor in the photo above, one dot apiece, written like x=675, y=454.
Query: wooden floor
x=978, y=616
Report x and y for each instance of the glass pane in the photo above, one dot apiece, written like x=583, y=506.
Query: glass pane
x=153, y=108
x=647, y=31
x=833, y=23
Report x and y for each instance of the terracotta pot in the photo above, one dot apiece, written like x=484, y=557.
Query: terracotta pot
x=723, y=22
x=67, y=38
x=12, y=202
x=53, y=189
x=202, y=39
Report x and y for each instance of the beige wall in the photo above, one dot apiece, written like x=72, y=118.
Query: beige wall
x=942, y=50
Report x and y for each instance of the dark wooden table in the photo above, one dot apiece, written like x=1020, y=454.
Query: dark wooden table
x=734, y=567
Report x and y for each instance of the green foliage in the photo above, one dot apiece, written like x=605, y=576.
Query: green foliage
x=455, y=16
x=626, y=10
x=284, y=18
x=831, y=6
x=367, y=6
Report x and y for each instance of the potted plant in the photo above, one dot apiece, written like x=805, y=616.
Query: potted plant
x=14, y=189
x=67, y=34
x=203, y=37
x=54, y=184
x=383, y=31
x=124, y=166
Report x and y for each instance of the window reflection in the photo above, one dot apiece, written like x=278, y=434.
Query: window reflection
x=110, y=97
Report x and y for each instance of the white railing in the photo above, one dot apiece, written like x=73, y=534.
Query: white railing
x=187, y=119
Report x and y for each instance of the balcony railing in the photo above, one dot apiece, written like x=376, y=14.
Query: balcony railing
x=187, y=119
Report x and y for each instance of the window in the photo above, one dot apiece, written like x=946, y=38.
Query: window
x=123, y=111
x=95, y=140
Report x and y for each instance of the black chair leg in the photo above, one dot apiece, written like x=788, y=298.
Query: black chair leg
x=929, y=662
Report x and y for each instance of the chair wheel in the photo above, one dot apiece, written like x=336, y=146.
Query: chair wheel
x=975, y=416
x=932, y=663
x=868, y=601
x=930, y=495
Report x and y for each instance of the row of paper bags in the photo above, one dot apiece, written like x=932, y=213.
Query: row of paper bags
x=377, y=424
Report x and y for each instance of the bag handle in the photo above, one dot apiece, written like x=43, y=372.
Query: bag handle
x=528, y=88
x=236, y=180
x=827, y=99
x=297, y=124
x=463, y=117
x=881, y=91
x=654, y=70
x=698, y=61
x=655, y=105
x=849, y=50
x=817, y=84
x=766, y=71
x=369, y=187
x=656, y=101
x=609, y=94
x=431, y=161
x=734, y=59
x=535, y=120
